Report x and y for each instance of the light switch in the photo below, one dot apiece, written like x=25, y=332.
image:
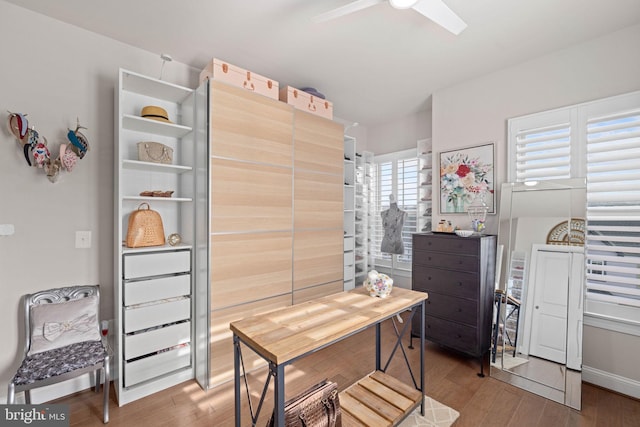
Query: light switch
x=7, y=229
x=83, y=239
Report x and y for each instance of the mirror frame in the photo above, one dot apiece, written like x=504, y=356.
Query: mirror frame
x=571, y=395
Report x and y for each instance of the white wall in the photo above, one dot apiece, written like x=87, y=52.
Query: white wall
x=55, y=73
x=398, y=135
x=476, y=111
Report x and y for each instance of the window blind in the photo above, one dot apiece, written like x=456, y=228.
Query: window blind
x=543, y=153
x=395, y=174
x=613, y=212
x=541, y=146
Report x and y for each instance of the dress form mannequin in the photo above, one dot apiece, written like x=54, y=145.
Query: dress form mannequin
x=392, y=223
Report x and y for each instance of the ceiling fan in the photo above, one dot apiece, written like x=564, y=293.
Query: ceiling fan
x=435, y=10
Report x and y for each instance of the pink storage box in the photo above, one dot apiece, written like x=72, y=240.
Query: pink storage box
x=306, y=102
x=236, y=76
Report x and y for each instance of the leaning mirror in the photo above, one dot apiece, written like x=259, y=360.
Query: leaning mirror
x=537, y=323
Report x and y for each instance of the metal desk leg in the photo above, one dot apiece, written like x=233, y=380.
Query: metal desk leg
x=422, y=333
x=496, y=330
x=278, y=371
x=378, y=357
x=236, y=378
x=515, y=341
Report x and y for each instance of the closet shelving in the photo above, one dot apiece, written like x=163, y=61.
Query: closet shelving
x=152, y=297
x=426, y=183
x=364, y=224
x=350, y=222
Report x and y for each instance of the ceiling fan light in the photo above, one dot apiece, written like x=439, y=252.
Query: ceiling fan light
x=402, y=4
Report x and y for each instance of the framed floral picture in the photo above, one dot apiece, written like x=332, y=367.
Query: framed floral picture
x=467, y=175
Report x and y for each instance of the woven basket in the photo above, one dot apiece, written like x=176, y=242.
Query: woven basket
x=145, y=228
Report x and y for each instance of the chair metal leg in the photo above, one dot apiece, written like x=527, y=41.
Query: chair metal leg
x=11, y=394
x=107, y=375
x=97, y=380
x=27, y=397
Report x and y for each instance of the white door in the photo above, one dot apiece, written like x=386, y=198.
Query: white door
x=549, y=315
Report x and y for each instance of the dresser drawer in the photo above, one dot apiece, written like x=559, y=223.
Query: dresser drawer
x=446, y=243
x=452, y=308
x=451, y=334
x=455, y=283
x=147, y=316
x=156, y=264
x=159, y=364
x=446, y=260
x=156, y=289
x=137, y=345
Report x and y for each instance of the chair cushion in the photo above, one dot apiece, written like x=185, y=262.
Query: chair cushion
x=59, y=324
x=52, y=363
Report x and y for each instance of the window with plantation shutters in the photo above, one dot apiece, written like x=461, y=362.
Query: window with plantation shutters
x=541, y=146
x=613, y=210
x=599, y=140
x=395, y=174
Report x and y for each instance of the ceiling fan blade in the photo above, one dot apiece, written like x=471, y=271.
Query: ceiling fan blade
x=345, y=10
x=440, y=13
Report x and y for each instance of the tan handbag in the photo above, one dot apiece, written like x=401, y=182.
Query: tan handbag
x=154, y=152
x=318, y=406
x=145, y=228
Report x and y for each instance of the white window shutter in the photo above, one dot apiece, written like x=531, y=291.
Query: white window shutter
x=397, y=174
x=613, y=210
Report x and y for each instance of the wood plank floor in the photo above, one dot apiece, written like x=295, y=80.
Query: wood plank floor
x=449, y=378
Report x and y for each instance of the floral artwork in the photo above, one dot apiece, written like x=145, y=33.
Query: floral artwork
x=466, y=175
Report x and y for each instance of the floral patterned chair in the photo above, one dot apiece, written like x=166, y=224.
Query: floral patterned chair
x=62, y=341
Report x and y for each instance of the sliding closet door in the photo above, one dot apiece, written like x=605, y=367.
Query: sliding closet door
x=318, y=251
x=251, y=214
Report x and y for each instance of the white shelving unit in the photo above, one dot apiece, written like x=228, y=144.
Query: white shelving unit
x=349, y=212
x=152, y=297
x=426, y=183
x=364, y=223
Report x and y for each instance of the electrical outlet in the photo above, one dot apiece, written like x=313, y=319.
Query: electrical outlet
x=83, y=239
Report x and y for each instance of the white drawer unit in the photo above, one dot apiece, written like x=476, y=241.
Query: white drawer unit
x=136, y=345
x=147, y=290
x=156, y=264
x=162, y=363
x=137, y=318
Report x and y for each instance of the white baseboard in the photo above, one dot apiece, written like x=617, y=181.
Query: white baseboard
x=611, y=381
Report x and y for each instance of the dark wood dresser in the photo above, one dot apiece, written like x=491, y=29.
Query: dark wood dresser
x=458, y=273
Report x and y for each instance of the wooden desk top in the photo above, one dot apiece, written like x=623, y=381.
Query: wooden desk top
x=284, y=334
